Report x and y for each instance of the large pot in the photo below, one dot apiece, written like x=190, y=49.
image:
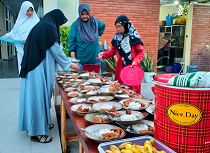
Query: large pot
x=181, y=117
x=147, y=76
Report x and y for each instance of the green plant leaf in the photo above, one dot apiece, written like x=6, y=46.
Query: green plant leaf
x=64, y=32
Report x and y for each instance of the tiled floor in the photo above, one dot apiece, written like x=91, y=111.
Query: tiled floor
x=12, y=140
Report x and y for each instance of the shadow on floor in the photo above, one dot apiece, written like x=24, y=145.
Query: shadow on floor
x=9, y=69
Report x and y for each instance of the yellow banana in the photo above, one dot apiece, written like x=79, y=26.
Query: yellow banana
x=114, y=149
x=148, y=147
x=140, y=148
x=152, y=141
x=108, y=151
x=122, y=146
x=128, y=146
x=135, y=150
x=126, y=151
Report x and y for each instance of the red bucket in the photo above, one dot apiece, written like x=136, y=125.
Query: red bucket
x=92, y=67
x=181, y=118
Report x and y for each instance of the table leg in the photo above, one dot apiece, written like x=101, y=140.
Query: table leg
x=81, y=150
x=55, y=95
x=63, y=126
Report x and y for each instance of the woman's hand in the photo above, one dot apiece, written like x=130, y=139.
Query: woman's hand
x=24, y=41
x=171, y=36
x=4, y=36
x=74, y=66
x=133, y=63
x=101, y=54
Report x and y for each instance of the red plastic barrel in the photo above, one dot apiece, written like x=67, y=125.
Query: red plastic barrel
x=182, y=117
x=92, y=67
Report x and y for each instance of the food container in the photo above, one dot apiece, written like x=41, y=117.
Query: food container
x=181, y=116
x=92, y=67
x=137, y=140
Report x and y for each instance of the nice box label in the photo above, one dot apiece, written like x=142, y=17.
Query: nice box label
x=184, y=114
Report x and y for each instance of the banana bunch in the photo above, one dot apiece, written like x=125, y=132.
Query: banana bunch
x=128, y=147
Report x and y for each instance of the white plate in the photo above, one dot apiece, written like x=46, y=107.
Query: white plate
x=97, y=127
x=70, y=88
x=98, y=106
x=86, y=75
x=86, y=86
x=136, y=99
x=105, y=91
x=150, y=109
x=89, y=118
x=139, y=116
x=147, y=122
x=77, y=100
x=95, y=82
x=74, y=109
x=96, y=99
x=69, y=94
x=90, y=93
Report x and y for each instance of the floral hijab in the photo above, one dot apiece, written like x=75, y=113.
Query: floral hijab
x=123, y=42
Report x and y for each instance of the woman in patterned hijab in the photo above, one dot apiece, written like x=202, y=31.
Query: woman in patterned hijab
x=127, y=45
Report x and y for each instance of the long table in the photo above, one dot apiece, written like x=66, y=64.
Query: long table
x=86, y=145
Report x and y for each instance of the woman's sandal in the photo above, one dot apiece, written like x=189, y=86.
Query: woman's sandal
x=42, y=139
x=51, y=126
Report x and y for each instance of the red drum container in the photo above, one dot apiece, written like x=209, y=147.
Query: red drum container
x=182, y=116
x=92, y=67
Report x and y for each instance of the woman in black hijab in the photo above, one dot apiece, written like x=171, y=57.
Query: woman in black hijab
x=41, y=55
x=127, y=45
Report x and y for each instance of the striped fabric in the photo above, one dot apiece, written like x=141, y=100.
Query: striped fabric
x=196, y=79
x=182, y=139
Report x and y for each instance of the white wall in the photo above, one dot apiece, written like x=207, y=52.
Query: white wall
x=188, y=33
x=165, y=10
x=69, y=8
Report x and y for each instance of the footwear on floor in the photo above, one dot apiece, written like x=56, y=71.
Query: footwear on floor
x=51, y=126
x=42, y=139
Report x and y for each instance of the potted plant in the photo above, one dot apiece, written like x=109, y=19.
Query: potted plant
x=112, y=64
x=147, y=66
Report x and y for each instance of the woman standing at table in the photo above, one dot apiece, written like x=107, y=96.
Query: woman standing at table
x=127, y=45
x=42, y=52
x=83, y=37
x=26, y=20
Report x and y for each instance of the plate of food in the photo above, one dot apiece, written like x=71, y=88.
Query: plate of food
x=90, y=92
x=143, y=127
x=128, y=94
x=107, y=106
x=95, y=99
x=108, y=91
x=70, y=89
x=77, y=100
x=96, y=82
x=104, y=132
x=150, y=109
x=86, y=87
x=134, y=104
x=74, y=94
x=87, y=75
x=82, y=109
x=127, y=117
x=97, y=118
